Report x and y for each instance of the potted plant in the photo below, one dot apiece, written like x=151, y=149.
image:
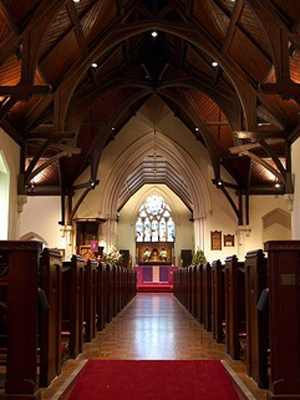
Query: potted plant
x=199, y=258
x=113, y=257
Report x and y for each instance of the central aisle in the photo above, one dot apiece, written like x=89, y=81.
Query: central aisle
x=153, y=326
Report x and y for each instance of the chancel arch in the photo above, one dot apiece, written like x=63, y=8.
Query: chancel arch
x=176, y=155
x=133, y=156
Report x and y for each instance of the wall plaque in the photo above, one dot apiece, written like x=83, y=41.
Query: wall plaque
x=216, y=240
x=228, y=240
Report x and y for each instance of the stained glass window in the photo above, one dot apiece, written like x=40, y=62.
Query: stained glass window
x=155, y=222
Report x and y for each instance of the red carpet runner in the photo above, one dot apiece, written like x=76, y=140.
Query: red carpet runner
x=153, y=380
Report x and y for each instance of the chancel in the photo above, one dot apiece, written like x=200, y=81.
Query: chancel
x=149, y=199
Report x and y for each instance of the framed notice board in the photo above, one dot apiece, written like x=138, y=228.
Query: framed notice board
x=216, y=240
x=228, y=240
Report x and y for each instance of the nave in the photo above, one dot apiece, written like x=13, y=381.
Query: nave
x=152, y=327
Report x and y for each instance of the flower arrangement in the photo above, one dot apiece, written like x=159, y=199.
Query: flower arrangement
x=199, y=258
x=147, y=254
x=113, y=257
x=163, y=254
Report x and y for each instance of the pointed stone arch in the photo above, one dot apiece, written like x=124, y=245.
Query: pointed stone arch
x=34, y=236
x=177, y=157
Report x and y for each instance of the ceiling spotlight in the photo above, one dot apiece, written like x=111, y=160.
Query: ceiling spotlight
x=113, y=128
x=76, y=1
x=277, y=185
x=260, y=124
x=214, y=64
x=94, y=65
x=154, y=34
x=219, y=182
x=196, y=129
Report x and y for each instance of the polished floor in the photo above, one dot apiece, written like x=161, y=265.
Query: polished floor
x=154, y=327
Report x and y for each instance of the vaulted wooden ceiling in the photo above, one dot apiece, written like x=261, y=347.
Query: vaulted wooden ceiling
x=230, y=70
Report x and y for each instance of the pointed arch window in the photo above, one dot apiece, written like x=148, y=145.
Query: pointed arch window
x=155, y=222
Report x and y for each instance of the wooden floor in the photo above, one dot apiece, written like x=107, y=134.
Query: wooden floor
x=154, y=327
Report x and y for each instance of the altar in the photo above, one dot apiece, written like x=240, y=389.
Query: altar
x=155, y=278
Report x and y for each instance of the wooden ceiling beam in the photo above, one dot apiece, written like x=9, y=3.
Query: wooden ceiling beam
x=25, y=91
x=287, y=90
x=278, y=34
x=78, y=28
x=100, y=140
x=50, y=135
x=260, y=135
x=237, y=12
x=251, y=146
x=242, y=30
x=265, y=164
x=8, y=18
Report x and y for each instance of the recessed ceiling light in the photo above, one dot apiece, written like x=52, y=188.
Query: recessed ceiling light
x=113, y=128
x=196, y=129
x=154, y=34
x=260, y=124
x=76, y=1
x=94, y=65
x=214, y=64
x=277, y=185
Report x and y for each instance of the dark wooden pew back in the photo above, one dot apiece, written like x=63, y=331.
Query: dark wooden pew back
x=218, y=300
x=72, y=303
x=234, y=305
x=50, y=272
x=256, y=321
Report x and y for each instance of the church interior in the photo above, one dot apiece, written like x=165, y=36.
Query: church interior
x=149, y=199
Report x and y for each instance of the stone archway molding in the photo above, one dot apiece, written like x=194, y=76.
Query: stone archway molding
x=178, y=158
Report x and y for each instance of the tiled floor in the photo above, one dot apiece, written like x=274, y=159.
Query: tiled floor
x=154, y=326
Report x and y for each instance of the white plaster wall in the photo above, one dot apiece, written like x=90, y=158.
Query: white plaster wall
x=183, y=227
x=296, y=171
x=12, y=155
x=41, y=215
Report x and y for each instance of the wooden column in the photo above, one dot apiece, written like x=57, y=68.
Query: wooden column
x=22, y=302
x=284, y=281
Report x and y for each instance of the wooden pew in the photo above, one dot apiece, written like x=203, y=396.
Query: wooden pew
x=234, y=305
x=194, y=291
x=218, y=300
x=199, y=288
x=101, y=297
x=189, y=288
x=207, y=297
x=90, y=298
x=109, y=291
x=284, y=278
x=256, y=321
x=21, y=281
x=50, y=280
x=72, y=304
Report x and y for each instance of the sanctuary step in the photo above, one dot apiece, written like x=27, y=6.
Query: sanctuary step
x=154, y=287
